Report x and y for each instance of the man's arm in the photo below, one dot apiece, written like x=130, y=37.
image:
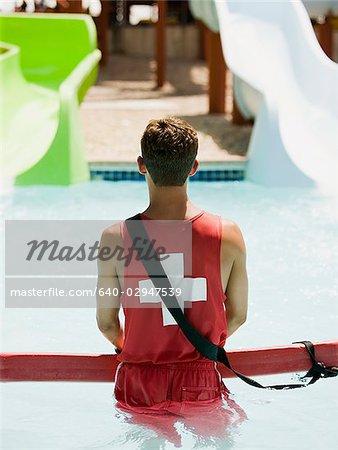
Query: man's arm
x=108, y=305
x=234, y=276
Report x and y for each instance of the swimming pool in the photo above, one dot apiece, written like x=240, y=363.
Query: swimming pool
x=292, y=241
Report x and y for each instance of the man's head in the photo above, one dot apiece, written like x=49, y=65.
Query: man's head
x=169, y=149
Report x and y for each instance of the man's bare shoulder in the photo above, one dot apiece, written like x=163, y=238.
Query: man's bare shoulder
x=232, y=238
x=111, y=246
x=112, y=236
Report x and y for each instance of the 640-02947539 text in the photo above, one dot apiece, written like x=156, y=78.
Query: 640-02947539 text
x=101, y=292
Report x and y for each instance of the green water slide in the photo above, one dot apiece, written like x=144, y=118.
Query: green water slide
x=47, y=64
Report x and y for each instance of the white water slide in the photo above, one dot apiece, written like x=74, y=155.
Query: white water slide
x=284, y=80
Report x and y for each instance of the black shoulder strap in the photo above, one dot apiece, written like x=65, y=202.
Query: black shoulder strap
x=209, y=350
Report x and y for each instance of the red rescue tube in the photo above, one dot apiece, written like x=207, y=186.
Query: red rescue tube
x=100, y=368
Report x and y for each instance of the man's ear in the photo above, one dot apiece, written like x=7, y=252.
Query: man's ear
x=141, y=167
x=194, y=168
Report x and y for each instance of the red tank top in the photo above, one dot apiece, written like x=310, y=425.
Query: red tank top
x=151, y=335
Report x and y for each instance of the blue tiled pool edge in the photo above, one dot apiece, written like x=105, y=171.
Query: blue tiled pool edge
x=219, y=172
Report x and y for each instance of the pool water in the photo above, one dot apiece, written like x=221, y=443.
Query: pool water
x=292, y=244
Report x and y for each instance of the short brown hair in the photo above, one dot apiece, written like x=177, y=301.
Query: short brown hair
x=169, y=149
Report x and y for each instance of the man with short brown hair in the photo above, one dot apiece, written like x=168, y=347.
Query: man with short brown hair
x=160, y=370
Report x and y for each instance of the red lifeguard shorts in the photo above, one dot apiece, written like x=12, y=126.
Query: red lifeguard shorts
x=168, y=387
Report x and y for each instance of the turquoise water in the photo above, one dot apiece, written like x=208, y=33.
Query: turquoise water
x=292, y=243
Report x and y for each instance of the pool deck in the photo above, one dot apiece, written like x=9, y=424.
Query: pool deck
x=124, y=99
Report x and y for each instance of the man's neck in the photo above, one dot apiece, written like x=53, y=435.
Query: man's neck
x=170, y=203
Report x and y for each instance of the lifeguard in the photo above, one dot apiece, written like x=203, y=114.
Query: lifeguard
x=160, y=370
